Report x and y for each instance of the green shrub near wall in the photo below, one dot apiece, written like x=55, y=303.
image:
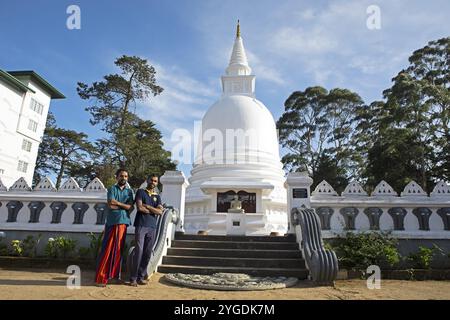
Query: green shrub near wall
x=357, y=251
x=360, y=250
x=424, y=256
x=60, y=247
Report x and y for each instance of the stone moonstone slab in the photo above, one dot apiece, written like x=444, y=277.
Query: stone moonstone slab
x=230, y=281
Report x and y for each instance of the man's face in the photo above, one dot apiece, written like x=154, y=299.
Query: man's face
x=152, y=182
x=122, y=178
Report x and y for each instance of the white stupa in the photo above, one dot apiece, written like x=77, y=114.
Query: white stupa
x=237, y=154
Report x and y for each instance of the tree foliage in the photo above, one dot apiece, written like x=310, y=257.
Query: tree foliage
x=131, y=142
x=61, y=151
x=402, y=138
x=316, y=128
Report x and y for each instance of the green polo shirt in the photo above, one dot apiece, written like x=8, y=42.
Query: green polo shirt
x=119, y=216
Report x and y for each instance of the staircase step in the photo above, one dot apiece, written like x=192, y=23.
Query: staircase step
x=241, y=253
x=235, y=245
x=288, y=238
x=234, y=262
x=260, y=272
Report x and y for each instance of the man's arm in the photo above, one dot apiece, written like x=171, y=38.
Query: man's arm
x=114, y=204
x=141, y=207
x=159, y=209
x=109, y=200
x=154, y=210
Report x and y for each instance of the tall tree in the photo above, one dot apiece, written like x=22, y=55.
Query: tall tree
x=430, y=67
x=367, y=127
x=61, y=151
x=341, y=106
x=417, y=108
x=144, y=154
x=132, y=142
x=316, y=129
x=41, y=169
x=391, y=158
x=113, y=97
x=303, y=129
x=144, y=151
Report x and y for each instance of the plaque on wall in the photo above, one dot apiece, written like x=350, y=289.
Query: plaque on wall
x=301, y=193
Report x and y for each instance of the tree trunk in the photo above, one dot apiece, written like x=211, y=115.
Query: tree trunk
x=127, y=101
x=60, y=174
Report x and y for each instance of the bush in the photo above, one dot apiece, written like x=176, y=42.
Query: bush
x=360, y=250
x=95, y=244
x=60, y=247
x=30, y=245
x=424, y=256
x=84, y=253
x=26, y=247
x=3, y=248
x=94, y=247
x=16, y=247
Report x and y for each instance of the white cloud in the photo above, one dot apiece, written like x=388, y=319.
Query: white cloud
x=288, y=41
x=183, y=101
x=264, y=71
x=298, y=44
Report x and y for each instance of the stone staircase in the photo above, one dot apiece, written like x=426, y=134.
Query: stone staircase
x=253, y=255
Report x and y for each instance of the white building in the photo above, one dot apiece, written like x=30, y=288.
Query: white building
x=24, y=103
x=237, y=153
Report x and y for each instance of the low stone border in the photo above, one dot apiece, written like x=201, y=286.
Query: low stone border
x=12, y=262
x=230, y=281
x=406, y=274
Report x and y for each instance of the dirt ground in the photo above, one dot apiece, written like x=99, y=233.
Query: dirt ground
x=45, y=284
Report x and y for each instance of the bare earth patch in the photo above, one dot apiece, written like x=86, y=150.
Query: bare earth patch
x=45, y=284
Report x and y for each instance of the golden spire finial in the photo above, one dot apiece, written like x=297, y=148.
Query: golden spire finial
x=238, y=30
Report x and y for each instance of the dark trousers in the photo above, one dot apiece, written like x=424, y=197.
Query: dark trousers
x=144, y=238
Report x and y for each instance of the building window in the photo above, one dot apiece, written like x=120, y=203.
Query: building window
x=36, y=106
x=26, y=145
x=32, y=125
x=22, y=166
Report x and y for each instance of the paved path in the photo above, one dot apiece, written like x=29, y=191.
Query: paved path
x=45, y=284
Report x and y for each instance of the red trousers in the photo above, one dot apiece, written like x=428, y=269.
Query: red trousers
x=109, y=263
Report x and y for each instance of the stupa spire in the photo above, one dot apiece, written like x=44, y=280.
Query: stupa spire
x=238, y=78
x=238, y=62
x=238, y=30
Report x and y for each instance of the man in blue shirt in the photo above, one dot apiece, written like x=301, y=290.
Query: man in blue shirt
x=149, y=206
x=121, y=204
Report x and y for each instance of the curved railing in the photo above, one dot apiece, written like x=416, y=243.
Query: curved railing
x=322, y=263
x=165, y=231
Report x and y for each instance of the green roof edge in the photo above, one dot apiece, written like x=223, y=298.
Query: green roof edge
x=55, y=94
x=14, y=82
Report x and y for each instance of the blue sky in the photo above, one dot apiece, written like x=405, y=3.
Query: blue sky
x=290, y=45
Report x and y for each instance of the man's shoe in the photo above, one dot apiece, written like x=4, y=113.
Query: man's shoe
x=101, y=285
x=142, y=282
x=116, y=281
x=133, y=283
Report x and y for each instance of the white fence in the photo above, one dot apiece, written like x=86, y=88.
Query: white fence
x=413, y=214
x=69, y=209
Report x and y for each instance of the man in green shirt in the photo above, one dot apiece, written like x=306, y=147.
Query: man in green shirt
x=121, y=204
